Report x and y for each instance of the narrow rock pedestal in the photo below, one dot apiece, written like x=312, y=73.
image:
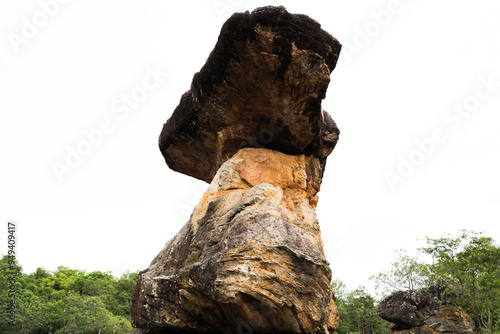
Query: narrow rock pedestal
x=250, y=259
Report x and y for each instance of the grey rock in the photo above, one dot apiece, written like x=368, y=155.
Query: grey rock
x=425, y=312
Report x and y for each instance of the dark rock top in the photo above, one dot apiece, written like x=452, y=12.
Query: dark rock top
x=427, y=311
x=261, y=86
x=408, y=308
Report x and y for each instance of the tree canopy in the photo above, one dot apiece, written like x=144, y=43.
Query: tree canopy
x=74, y=301
x=357, y=310
x=468, y=262
x=471, y=263
x=66, y=301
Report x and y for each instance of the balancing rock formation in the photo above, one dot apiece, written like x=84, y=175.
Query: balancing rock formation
x=250, y=259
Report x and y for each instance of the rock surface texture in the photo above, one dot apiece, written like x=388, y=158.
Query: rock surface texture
x=250, y=259
x=261, y=86
x=424, y=312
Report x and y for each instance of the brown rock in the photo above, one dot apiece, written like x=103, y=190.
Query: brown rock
x=447, y=320
x=407, y=308
x=425, y=312
x=249, y=259
x=261, y=86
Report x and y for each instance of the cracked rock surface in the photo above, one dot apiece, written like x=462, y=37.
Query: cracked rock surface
x=250, y=259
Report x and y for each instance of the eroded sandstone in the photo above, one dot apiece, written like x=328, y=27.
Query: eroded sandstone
x=261, y=86
x=250, y=257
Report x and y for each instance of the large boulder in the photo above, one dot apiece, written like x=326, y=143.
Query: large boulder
x=250, y=259
x=425, y=312
x=261, y=86
x=408, y=308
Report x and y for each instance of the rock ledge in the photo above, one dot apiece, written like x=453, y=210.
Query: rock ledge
x=261, y=87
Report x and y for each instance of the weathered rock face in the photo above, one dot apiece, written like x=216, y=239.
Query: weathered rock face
x=446, y=320
x=424, y=312
x=408, y=308
x=250, y=259
x=261, y=86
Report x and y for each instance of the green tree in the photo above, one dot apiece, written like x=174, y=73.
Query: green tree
x=88, y=314
x=123, y=294
x=406, y=273
x=357, y=310
x=66, y=301
x=471, y=263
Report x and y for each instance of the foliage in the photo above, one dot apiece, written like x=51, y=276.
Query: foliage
x=407, y=273
x=67, y=301
x=74, y=301
x=358, y=311
x=471, y=263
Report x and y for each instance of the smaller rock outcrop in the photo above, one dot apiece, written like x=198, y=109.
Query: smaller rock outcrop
x=424, y=312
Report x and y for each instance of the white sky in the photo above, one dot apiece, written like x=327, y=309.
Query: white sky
x=118, y=207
